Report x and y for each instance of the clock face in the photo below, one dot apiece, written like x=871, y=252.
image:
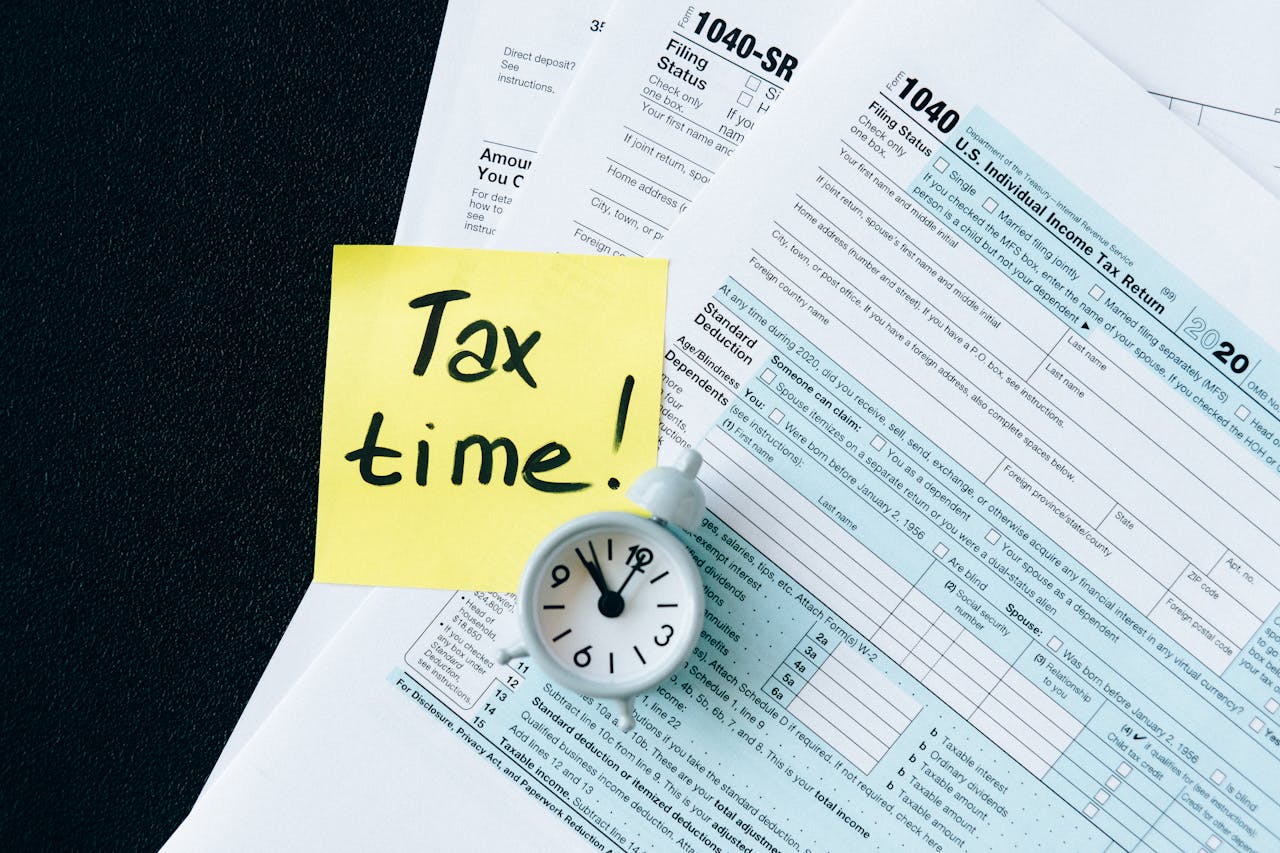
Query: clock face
x=618, y=602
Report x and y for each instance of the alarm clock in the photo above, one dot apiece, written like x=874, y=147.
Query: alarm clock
x=610, y=603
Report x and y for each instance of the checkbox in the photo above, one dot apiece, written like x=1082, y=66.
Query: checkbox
x=1218, y=777
x=753, y=83
x=1102, y=796
x=744, y=100
x=1214, y=842
x=1256, y=725
x=940, y=550
x=1113, y=783
x=1242, y=413
x=940, y=164
x=1272, y=706
x=1124, y=768
x=1090, y=810
x=993, y=537
x=776, y=416
x=1054, y=644
x=990, y=205
x=1095, y=292
x=877, y=443
x=768, y=375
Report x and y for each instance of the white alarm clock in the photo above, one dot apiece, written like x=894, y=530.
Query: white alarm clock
x=611, y=603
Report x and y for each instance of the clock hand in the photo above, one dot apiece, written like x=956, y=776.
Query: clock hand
x=593, y=569
x=610, y=604
x=628, y=578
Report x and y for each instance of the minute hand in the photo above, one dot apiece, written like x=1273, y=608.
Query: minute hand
x=593, y=569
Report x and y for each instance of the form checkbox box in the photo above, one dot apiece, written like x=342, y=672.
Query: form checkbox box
x=877, y=443
x=940, y=164
x=1054, y=644
x=1124, y=768
x=1218, y=777
x=1256, y=725
x=1214, y=842
x=768, y=375
x=1113, y=783
x=1102, y=796
x=744, y=100
x=990, y=205
x=940, y=550
x=1272, y=706
x=993, y=537
x=753, y=83
x=1095, y=292
x=1090, y=810
x=1242, y=413
x=776, y=416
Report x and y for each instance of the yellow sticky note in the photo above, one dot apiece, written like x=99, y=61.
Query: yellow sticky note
x=474, y=401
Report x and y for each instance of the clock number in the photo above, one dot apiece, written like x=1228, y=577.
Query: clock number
x=559, y=575
x=582, y=657
x=638, y=557
x=664, y=640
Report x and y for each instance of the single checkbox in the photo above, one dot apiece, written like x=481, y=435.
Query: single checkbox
x=753, y=83
x=990, y=205
x=1095, y=292
x=1124, y=768
x=940, y=164
x=1102, y=796
x=768, y=375
x=1272, y=706
x=1256, y=725
x=1214, y=842
x=1054, y=644
x=1113, y=783
x=940, y=550
x=744, y=100
x=877, y=443
x=1242, y=413
x=1218, y=777
x=776, y=416
x=993, y=537
x=1090, y=810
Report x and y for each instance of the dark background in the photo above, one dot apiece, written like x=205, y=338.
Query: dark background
x=172, y=184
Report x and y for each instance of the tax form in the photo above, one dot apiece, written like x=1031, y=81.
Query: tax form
x=636, y=142
x=978, y=576
x=500, y=73
x=668, y=94
x=1212, y=66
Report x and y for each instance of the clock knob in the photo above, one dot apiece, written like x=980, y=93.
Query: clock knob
x=672, y=493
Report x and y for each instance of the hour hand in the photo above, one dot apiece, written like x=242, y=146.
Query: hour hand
x=593, y=569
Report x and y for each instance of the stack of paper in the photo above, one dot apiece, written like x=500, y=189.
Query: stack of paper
x=975, y=334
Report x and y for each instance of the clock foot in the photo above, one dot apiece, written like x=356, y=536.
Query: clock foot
x=516, y=651
x=627, y=714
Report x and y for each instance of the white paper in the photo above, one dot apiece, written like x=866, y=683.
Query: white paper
x=476, y=122
x=500, y=74
x=1215, y=65
x=341, y=769
x=669, y=92
x=1007, y=675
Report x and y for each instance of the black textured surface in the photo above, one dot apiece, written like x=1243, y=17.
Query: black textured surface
x=172, y=183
